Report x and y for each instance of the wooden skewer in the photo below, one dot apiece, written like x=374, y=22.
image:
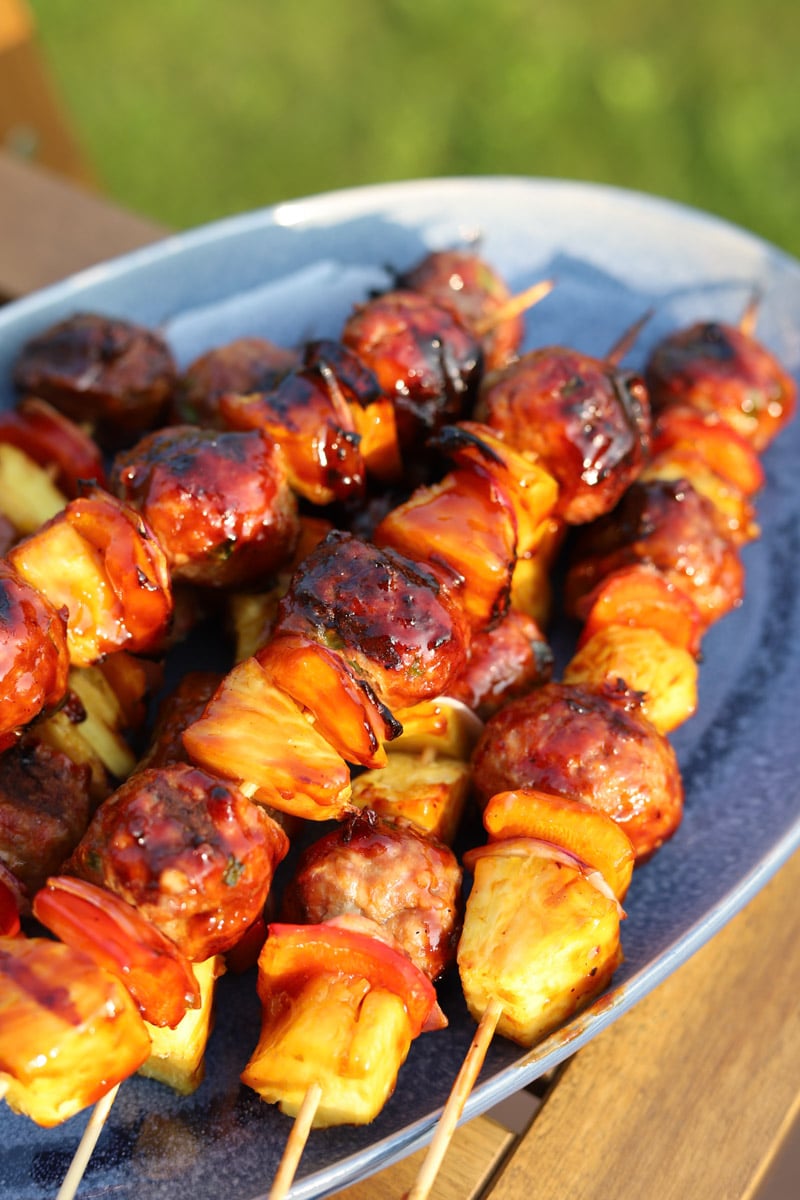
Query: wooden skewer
x=464, y=1083
x=624, y=343
x=514, y=306
x=296, y=1143
x=749, y=318
x=86, y=1146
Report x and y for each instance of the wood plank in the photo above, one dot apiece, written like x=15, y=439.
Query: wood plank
x=475, y=1154
x=691, y=1092
x=50, y=228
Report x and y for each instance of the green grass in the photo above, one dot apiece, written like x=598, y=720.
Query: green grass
x=192, y=110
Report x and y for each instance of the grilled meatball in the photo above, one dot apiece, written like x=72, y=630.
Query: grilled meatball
x=189, y=851
x=176, y=712
x=218, y=502
x=587, y=744
x=389, y=872
x=469, y=288
x=394, y=623
x=588, y=422
x=45, y=808
x=424, y=359
x=33, y=652
x=110, y=372
x=668, y=524
x=720, y=369
x=504, y=662
x=248, y=364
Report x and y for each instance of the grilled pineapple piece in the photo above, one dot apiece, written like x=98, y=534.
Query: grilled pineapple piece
x=104, y=725
x=252, y=615
x=538, y=936
x=429, y=793
x=664, y=673
x=28, y=496
x=439, y=727
x=339, y=1032
x=254, y=733
x=176, y=1057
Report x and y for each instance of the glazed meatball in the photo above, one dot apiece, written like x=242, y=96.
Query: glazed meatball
x=469, y=288
x=218, y=502
x=665, y=523
x=110, y=372
x=189, y=851
x=387, y=871
x=720, y=369
x=587, y=744
x=504, y=662
x=395, y=624
x=248, y=364
x=424, y=359
x=45, y=807
x=587, y=421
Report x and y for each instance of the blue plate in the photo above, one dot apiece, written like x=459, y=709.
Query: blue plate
x=292, y=272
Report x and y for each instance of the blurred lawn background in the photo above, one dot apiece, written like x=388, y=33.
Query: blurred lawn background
x=193, y=109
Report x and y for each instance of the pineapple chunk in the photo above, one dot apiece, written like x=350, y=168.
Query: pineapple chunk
x=105, y=720
x=63, y=733
x=28, y=496
x=254, y=733
x=430, y=794
x=252, y=616
x=664, y=673
x=176, y=1057
x=338, y=1032
x=79, y=583
x=538, y=937
x=439, y=727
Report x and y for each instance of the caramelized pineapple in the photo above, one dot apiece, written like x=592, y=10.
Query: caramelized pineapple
x=254, y=733
x=429, y=792
x=538, y=936
x=176, y=1055
x=338, y=1032
x=664, y=674
x=28, y=496
x=442, y=727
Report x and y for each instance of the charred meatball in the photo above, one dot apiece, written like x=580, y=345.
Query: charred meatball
x=219, y=503
x=189, y=851
x=110, y=372
x=588, y=422
x=387, y=871
x=587, y=744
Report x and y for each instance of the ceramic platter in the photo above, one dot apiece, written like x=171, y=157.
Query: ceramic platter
x=292, y=272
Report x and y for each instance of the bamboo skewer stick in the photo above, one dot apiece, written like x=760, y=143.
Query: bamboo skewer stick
x=464, y=1083
x=514, y=306
x=296, y=1143
x=86, y=1146
x=627, y=340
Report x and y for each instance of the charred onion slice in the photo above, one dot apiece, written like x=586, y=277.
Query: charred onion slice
x=117, y=937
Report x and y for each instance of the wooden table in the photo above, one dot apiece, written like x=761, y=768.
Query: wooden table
x=690, y=1094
